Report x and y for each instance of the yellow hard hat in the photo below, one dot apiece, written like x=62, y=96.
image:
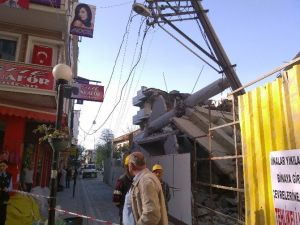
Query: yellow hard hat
x=126, y=162
x=157, y=167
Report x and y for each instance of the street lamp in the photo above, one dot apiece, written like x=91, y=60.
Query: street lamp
x=62, y=74
x=141, y=9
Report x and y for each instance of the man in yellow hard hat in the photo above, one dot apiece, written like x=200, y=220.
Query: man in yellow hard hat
x=121, y=188
x=159, y=172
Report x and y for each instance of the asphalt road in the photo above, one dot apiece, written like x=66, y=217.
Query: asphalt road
x=92, y=198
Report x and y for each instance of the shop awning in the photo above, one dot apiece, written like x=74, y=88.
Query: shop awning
x=27, y=113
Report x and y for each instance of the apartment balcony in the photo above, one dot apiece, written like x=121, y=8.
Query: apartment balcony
x=48, y=17
x=139, y=99
x=141, y=116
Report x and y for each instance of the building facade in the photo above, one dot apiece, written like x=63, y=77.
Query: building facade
x=34, y=38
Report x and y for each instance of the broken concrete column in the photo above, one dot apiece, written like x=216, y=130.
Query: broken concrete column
x=199, y=97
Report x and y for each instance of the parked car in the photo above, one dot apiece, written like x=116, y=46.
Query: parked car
x=89, y=170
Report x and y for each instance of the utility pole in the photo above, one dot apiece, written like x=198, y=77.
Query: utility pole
x=170, y=11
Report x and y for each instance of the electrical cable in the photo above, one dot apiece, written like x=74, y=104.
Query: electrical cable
x=145, y=59
x=121, y=71
x=116, y=5
x=138, y=60
x=127, y=92
x=197, y=79
x=114, y=66
x=142, y=68
x=188, y=48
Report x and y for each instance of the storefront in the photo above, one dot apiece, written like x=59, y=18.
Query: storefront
x=27, y=98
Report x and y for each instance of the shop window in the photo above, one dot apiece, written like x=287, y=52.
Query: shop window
x=9, y=46
x=44, y=52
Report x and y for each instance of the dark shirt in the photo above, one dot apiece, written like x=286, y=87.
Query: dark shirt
x=122, y=186
x=166, y=191
x=5, y=182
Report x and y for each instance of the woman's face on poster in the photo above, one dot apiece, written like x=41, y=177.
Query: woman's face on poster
x=83, y=14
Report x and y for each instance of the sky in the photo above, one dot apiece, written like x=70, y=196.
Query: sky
x=257, y=36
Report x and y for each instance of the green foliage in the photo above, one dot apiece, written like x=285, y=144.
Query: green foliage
x=103, y=152
x=50, y=132
x=117, y=152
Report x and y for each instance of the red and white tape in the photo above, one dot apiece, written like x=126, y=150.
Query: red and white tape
x=86, y=217
x=67, y=212
x=30, y=194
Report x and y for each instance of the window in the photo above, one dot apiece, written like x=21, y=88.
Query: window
x=9, y=46
x=8, y=49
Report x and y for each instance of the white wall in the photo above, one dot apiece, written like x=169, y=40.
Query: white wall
x=177, y=173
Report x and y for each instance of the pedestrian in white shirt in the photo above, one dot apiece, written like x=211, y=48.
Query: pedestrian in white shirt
x=28, y=178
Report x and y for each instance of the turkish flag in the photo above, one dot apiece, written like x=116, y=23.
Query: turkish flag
x=42, y=55
x=16, y=3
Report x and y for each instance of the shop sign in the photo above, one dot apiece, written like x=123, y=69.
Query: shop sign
x=52, y=3
x=89, y=92
x=26, y=76
x=285, y=174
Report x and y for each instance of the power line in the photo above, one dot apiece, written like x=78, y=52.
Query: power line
x=127, y=92
x=116, y=5
x=142, y=69
x=165, y=82
x=115, y=63
x=197, y=79
x=138, y=60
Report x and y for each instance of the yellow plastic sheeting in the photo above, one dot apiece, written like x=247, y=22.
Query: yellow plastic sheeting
x=22, y=210
x=270, y=121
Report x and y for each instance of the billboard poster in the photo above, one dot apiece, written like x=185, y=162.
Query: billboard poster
x=83, y=19
x=89, y=92
x=285, y=174
x=26, y=76
x=52, y=3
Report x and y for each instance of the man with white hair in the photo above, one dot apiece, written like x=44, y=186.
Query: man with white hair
x=145, y=197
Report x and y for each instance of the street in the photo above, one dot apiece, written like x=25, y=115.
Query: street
x=93, y=198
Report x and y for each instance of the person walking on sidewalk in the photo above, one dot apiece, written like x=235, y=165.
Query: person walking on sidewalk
x=5, y=188
x=159, y=172
x=121, y=188
x=68, y=177
x=146, y=195
x=28, y=177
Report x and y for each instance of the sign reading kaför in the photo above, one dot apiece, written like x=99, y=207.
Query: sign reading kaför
x=285, y=173
x=26, y=76
x=89, y=92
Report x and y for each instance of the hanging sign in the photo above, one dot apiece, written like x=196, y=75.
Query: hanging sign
x=285, y=173
x=89, y=92
x=83, y=19
x=26, y=76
